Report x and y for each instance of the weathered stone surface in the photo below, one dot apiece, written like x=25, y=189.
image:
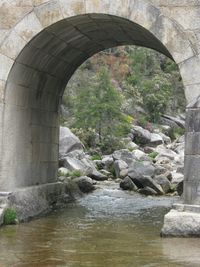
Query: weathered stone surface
x=147, y=191
x=96, y=175
x=85, y=184
x=127, y=184
x=140, y=169
x=163, y=182
x=156, y=139
x=121, y=168
x=146, y=181
x=141, y=135
x=68, y=142
x=185, y=224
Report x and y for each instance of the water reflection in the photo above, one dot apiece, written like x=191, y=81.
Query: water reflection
x=108, y=228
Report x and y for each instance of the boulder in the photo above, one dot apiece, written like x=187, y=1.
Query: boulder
x=179, y=188
x=179, y=121
x=164, y=152
x=73, y=164
x=124, y=154
x=146, y=181
x=140, y=155
x=163, y=182
x=121, y=168
x=85, y=184
x=97, y=176
x=176, y=177
x=68, y=142
x=127, y=184
x=159, y=169
x=62, y=171
x=139, y=169
x=156, y=139
x=107, y=162
x=147, y=191
x=141, y=135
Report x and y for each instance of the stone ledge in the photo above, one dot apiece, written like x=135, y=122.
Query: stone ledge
x=182, y=222
x=38, y=200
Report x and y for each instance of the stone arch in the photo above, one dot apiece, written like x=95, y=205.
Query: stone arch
x=41, y=52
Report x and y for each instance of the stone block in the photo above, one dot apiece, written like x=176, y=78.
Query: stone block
x=181, y=224
x=192, y=168
x=12, y=45
x=5, y=66
x=192, y=92
x=192, y=145
x=190, y=69
x=72, y=7
x=28, y=27
x=49, y=13
x=2, y=90
x=17, y=95
x=193, y=120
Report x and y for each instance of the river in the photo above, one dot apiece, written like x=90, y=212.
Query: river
x=108, y=228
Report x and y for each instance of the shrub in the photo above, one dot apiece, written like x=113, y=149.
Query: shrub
x=153, y=154
x=96, y=157
x=10, y=216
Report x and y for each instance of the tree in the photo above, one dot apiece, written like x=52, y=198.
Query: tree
x=98, y=106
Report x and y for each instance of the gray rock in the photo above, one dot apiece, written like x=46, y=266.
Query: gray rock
x=156, y=139
x=127, y=184
x=177, y=177
x=147, y=191
x=159, y=169
x=96, y=175
x=63, y=171
x=181, y=223
x=68, y=142
x=107, y=162
x=85, y=184
x=139, y=169
x=140, y=155
x=73, y=164
x=121, y=168
x=146, y=181
x=141, y=135
x=178, y=121
x=163, y=182
x=123, y=154
x=179, y=188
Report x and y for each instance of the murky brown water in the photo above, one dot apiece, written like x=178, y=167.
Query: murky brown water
x=108, y=228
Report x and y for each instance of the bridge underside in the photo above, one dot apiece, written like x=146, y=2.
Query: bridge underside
x=36, y=84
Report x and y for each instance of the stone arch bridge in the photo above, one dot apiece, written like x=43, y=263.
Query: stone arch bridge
x=42, y=43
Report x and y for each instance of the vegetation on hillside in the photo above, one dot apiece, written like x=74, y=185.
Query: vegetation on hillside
x=116, y=87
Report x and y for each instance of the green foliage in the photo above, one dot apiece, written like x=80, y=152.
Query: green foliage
x=10, y=216
x=74, y=174
x=98, y=111
x=153, y=154
x=96, y=157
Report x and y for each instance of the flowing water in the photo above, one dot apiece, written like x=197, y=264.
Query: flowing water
x=108, y=228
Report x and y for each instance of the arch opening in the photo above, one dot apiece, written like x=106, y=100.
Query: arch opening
x=36, y=83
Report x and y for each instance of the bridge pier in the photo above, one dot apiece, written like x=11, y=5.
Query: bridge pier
x=184, y=219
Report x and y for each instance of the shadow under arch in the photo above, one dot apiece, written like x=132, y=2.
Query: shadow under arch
x=36, y=83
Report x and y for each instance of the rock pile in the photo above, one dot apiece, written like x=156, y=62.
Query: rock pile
x=153, y=166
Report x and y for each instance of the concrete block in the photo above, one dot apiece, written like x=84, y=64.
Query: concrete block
x=190, y=69
x=12, y=45
x=5, y=66
x=193, y=120
x=49, y=13
x=192, y=145
x=181, y=224
x=28, y=27
x=72, y=7
x=17, y=95
x=192, y=168
x=191, y=93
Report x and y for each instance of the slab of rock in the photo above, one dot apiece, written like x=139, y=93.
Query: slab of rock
x=123, y=154
x=146, y=181
x=181, y=223
x=147, y=191
x=85, y=184
x=127, y=184
x=163, y=182
x=68, y=142
x=141, y=169
x=121, y=168
x=107, y=162
x=63, y=171
x=73, y=164
x=97, y=176
x=141, y=135
x=156, y=139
